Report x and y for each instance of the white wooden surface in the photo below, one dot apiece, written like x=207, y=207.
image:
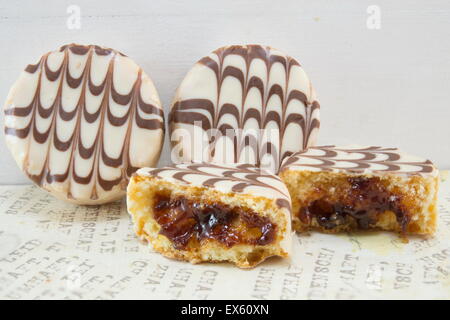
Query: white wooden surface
x=388, y=86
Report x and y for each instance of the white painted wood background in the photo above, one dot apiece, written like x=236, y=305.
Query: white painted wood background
x=387, y=86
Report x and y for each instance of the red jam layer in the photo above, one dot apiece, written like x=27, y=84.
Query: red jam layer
x=182, y=220
x=364, y=201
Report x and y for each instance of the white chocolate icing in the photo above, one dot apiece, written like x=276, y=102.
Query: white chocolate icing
x=359, y=159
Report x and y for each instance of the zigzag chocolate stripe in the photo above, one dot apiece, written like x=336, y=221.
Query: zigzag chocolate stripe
x=82, y=120
x=239, y=178
x=355, y=159
x=248, y=87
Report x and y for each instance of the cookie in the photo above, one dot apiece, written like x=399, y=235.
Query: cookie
x=81, y=121
x=244, y=104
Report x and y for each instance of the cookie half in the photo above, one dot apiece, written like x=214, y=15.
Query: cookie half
x=348, y=188
x=82, y=120
x=210, y=213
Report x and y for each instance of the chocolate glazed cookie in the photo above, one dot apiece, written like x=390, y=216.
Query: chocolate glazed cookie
x=82, y=120
x=228, y=97
x=206, y=212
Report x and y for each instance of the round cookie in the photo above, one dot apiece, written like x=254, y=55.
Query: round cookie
x=244, y=104
x=82, y=120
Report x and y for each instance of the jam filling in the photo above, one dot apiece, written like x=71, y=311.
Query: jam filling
x=365, y=199
x=182, y=220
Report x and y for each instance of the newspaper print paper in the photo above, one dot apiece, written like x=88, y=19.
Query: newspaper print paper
x=53, y=250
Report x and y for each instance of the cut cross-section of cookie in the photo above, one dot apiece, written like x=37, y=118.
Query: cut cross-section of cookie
x=81, y=120
x=347, y=188
x=208, y=212
x=244, y=104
